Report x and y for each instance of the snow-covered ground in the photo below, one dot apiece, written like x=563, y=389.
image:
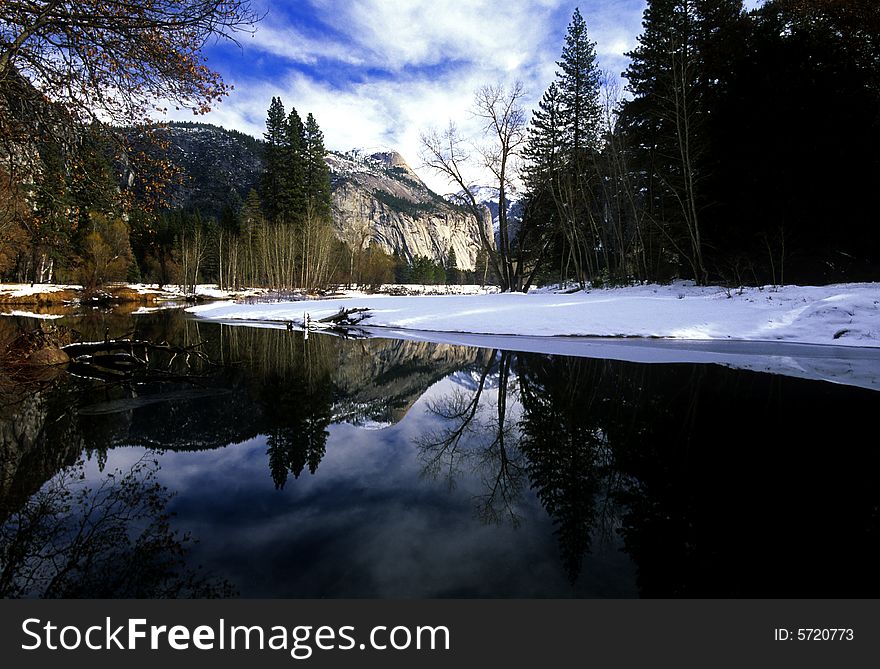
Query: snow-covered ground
x=828, y=333
x=26, y=289
x=31, y=314
x=403, y=289
x=840, y=315
x=207, y=290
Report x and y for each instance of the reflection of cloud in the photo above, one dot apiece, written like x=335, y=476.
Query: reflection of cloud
x=366, y=524
x=376, y=73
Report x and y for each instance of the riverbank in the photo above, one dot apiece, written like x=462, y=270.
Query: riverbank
x=48, y=300
x=839, y=315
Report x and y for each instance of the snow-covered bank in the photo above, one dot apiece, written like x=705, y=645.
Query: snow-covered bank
x=31, y=314
x=202, y=290
x=842, y=314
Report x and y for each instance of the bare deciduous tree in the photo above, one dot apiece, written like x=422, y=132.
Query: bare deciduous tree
x=116, y=59
x=449, y=154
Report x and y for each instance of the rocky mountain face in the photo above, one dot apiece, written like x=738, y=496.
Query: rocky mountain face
x=377, y=383
x=487, y=196
x=213, y=161
x=379, y=197
x=376, y=198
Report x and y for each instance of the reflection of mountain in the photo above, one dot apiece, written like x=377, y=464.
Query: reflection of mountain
x=371, y=382
x=380, y=379
x=272, y=383
x=38, y=437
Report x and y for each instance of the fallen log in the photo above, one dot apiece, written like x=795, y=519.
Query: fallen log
x=346, y=316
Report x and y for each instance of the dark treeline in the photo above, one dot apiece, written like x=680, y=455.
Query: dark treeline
x=744, y=152
x=278, y=234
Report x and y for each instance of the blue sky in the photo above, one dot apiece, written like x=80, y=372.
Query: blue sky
x=375, y=73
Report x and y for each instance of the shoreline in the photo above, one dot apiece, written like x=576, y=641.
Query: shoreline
x=839, y=315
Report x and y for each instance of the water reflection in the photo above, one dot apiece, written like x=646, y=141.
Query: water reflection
x=718, y=484
x=391, y=468
x=113, y=539
x=479, y=435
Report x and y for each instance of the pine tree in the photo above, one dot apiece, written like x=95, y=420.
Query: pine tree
x=276, y=137
x=317, y=172
x=544, y=162
x=544, y=146
x=579, y=80
x=451, y=260
x=294, y=194
x=667, y=113
x=572, y=120
x=452, y=273
x=251, y=222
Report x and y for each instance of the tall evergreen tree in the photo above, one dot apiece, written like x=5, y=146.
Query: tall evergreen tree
x=544, y=145
x=294, y=195
x=579, y=79
x=317, y=172
x=452, y=271
x=543, y=156
x=576, y=183
x=277, y=139
x=667, y=116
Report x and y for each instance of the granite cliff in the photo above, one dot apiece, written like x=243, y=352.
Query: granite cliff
x=379, y=198
x=376, y=197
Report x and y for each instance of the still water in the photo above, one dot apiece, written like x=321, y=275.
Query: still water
x=275, y=466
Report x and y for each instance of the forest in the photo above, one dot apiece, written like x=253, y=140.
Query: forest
x=742, y=150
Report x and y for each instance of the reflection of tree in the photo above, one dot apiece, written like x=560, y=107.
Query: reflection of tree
x=659, y=443
x=481, y=438
x=297, y=415
x=565, y=439
x=112, y=540
x=560, y=444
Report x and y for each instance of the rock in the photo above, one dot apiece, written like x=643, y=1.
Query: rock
x=381, y=195
x=48, y=356
x=377, y=194
x=47, y=336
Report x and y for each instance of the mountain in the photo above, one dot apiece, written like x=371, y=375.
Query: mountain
x=487, y=196
x=380, y=195
x=213, y=162
x=376, y=197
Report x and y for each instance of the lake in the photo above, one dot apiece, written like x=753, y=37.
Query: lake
x=274, y=465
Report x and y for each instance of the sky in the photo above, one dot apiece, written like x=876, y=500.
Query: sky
x=377, y=73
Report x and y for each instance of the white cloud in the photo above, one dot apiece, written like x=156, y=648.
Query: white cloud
x=431, y=55
x=290, y=43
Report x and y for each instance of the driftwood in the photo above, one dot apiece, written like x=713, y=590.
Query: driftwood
x=345, y=317
x=343, y=323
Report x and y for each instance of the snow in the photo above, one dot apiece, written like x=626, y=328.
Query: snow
x=839, y=315
x=202, y=290
x=30, y=314
x=419, y=289
x=828, y=333
x=25, y=289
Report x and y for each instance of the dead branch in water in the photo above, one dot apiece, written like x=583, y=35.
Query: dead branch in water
x=346, y=316
x=124, y=357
